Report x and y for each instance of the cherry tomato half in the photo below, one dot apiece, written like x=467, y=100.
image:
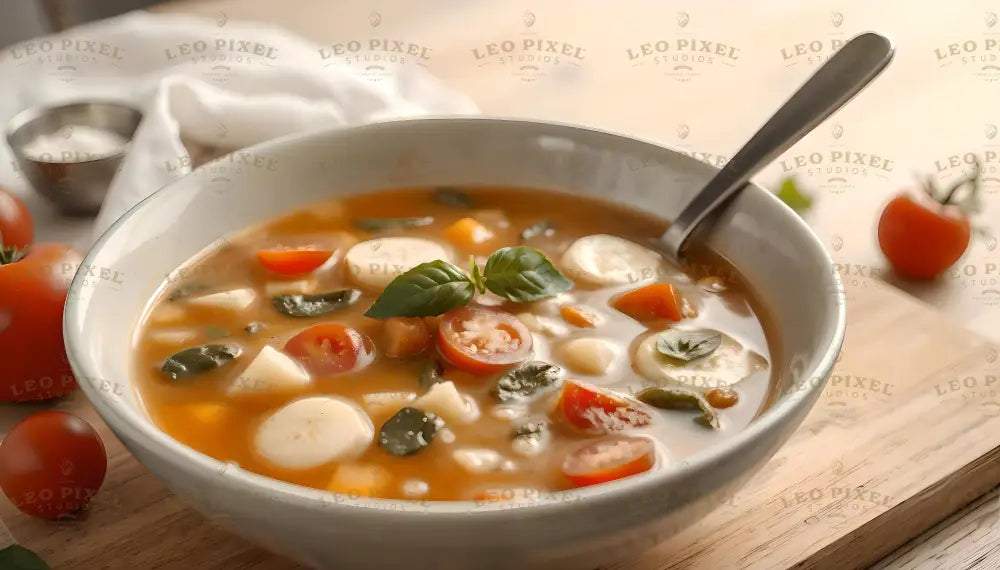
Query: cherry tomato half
x=590, y=409
x=609, y=459
x=51, y=464
x=921, y=239
x=32, y=296
x=16, y=227
x=482, y=340
x=293, y=261
x=331, y=348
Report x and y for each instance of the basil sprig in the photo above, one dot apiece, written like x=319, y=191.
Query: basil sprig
x=520, y=274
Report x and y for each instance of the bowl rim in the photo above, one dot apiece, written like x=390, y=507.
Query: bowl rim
x=204, y=469
x=27, y=116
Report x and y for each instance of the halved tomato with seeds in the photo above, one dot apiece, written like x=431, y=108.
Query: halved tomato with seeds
x=331, y=348
x=482, y=340
x=609, y=459
x=593, y=410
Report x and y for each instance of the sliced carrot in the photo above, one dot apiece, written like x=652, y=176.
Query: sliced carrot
x=577, y=316
x=468, y=234
x=406, y=336
x=656, y=301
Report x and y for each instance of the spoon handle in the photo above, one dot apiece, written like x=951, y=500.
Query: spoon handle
x=834, y=84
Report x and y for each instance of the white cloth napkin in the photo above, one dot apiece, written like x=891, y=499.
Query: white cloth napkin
x=220, y=84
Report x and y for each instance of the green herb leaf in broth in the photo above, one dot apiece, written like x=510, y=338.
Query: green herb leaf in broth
x=431, y=372
x=408, y=432
x=526, y=380
x=680, y=399
x=687, y=345
x=453, y=197
x=523, y=274
x=385, y=224
x=17, y=557
x=300, y=305
x=542, y=228
x=198, y=359
x=427, y=290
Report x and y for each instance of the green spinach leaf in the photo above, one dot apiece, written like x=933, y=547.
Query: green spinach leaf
x=679, y=399
x=526, y=380
x=408, y=432
x=299, y=305
x=199, y=359
x=687, y=345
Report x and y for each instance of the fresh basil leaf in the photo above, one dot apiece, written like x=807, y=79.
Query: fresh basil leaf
x=299, y=305
x=542, y=228
x=216, y=332
x=526, y=380
x=678, y=399
x=427, y=290
x=17, y=557
x=523, y=274
x=453, y=197
x=477, y=276
x=431, y=372
x=790, y=194
x=199, y=359
x=383, y=224
x=408, y=432
x=687, y=345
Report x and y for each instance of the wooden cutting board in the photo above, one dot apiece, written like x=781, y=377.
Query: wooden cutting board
x=906, y=433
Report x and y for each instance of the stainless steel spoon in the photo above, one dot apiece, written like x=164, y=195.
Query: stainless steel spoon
x=842, y=77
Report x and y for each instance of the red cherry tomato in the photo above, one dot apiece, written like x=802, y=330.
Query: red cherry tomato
x=593, y=410
x=331, y=348
x=608, y=459
x=32, y=295
x=482, y=340
x=16, y=226
x=293, y=261
x=51, y=464
x=922, y=236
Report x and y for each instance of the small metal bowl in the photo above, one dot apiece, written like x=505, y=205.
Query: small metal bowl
x=72, y=178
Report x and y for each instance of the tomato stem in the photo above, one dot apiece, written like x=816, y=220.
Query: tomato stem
x=9, y=253
x=972, y=180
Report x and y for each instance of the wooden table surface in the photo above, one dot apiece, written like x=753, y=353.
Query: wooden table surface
x=778, y=44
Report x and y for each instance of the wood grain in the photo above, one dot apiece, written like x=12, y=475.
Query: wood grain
x=870, y=468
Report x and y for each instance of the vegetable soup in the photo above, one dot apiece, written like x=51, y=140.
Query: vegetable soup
x=452, y=344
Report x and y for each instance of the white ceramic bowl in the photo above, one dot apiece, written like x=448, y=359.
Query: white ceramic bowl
x=772, y=247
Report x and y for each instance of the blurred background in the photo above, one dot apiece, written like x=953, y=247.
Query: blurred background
x=23, y=19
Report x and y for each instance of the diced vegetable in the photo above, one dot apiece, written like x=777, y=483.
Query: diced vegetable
x=605, y=260
x=468, y=234
x=722, y=398
x=609, y=459
x=431, y=372
x=385, y=224
x=453, y=197
x=444, y=400
x=373, y=264
x=360, y=480
x=656, y=301
x=478, y=460
x=578, y=316
x=312, y=431
x=482, y=340
x=270, y=371
x=293, y=261
x=406, y=336
x=234, y=300
x=199, y=359
x=408, y=432
x=301, y=287
x=587, y=355
x=687, y=345
x=593, y=410
x=379, y=401
x=331, y=348
x=680, y=399
x=526, y=381
x=315, y=305
x=523, y=274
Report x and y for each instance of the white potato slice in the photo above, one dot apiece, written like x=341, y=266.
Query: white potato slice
x=312, y=431
x=270, y=371
x=726, y=366
x=373, y=264
x=478, y=460
x=360, y=480
x=172, y=335
x=383, y=400
x=302, y=286
x=587, y=355
x=606, y=260
x=233, y=300
x=444, y=400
